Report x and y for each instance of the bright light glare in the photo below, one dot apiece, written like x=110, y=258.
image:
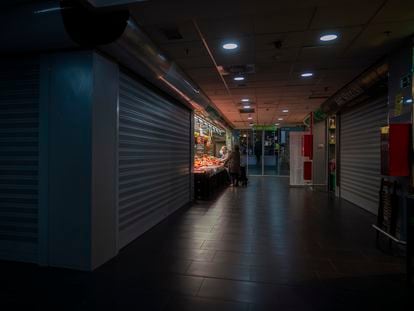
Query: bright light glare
x=230, y=46
x=307, y=74
x=238, y=78
x=328, y=37
x=285, y=110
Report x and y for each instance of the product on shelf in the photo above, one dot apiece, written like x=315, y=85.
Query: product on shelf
x=206, y=161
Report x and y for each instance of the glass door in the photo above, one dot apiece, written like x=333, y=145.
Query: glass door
x=270, y=152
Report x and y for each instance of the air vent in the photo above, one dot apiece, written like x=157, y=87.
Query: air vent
x=237, y=69
x=171, y=33
x=246, y=110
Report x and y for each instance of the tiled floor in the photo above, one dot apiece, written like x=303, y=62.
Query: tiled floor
x=264, y=247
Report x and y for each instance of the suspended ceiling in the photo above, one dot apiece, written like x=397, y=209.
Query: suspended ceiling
x=367, y=31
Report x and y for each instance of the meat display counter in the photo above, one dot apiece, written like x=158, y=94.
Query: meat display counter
x=210, y=177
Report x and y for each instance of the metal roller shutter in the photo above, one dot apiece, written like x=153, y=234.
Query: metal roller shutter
x=19, y=170
x=360, y=165
x=154, y=158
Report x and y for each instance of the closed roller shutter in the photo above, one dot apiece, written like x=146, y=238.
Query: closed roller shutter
x=360, y=165
x=19, y=140
x=154, y=158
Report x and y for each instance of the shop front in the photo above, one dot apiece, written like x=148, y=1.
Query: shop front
x=210, y=175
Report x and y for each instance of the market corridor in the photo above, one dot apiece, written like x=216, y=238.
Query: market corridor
x=264, y=247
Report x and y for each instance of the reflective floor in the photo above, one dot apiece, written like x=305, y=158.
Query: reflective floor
x=264, y=247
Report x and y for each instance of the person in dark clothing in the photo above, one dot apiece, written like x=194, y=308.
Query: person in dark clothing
x=233, y=162
x=258, y=151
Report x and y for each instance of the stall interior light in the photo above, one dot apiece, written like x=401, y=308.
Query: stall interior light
x=247, y=106
x=230, y=46
x=245, y=100
x=238, y=78
x=280, y=119
x=249, y=118
x=285, y=110
x=328, y=37
x=277, y=124
x=409, y=101
x=209, y=125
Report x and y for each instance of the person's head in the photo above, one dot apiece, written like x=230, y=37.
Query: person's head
x=223, y=150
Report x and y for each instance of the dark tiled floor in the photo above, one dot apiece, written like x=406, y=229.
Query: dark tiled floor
x=264, y=247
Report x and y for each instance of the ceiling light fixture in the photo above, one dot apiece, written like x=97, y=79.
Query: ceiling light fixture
x=230, y=46
x=409, y=101
x=285, y=110
x=277, y=124
x=238, y=78
x=328, y=37
x=280, y=119
x=245, y=100
x=247, y=106
x=249, y=118
x=306, y=74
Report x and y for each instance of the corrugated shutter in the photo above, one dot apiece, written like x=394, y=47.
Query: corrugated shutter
x=19, y=171
x=154, y=158
x=360, y=165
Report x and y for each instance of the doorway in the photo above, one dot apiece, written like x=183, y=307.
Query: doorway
x=265, y=153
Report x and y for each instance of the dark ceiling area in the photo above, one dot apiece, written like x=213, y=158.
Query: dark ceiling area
x=277, y=42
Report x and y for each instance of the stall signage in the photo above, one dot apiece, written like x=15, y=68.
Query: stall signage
x=398, y=106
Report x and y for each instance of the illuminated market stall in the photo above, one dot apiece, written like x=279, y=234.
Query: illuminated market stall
x=210, y=175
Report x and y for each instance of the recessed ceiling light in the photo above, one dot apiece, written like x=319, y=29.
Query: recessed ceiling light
x=328, y=37
x=230, y=46
x=409, y=101
x=307, y=74
x=280, y=119
x=238, y=78
x=285, y=110
x=246, y=106
x=245, y=100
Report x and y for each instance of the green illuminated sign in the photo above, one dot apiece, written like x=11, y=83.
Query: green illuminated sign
x=264, y=127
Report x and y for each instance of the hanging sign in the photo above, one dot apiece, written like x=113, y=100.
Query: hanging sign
x=264, y=127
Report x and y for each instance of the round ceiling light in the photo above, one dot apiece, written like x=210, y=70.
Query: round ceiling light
x=230, y=46
x=328, y=37
x=238, y=78
x=306, y=74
